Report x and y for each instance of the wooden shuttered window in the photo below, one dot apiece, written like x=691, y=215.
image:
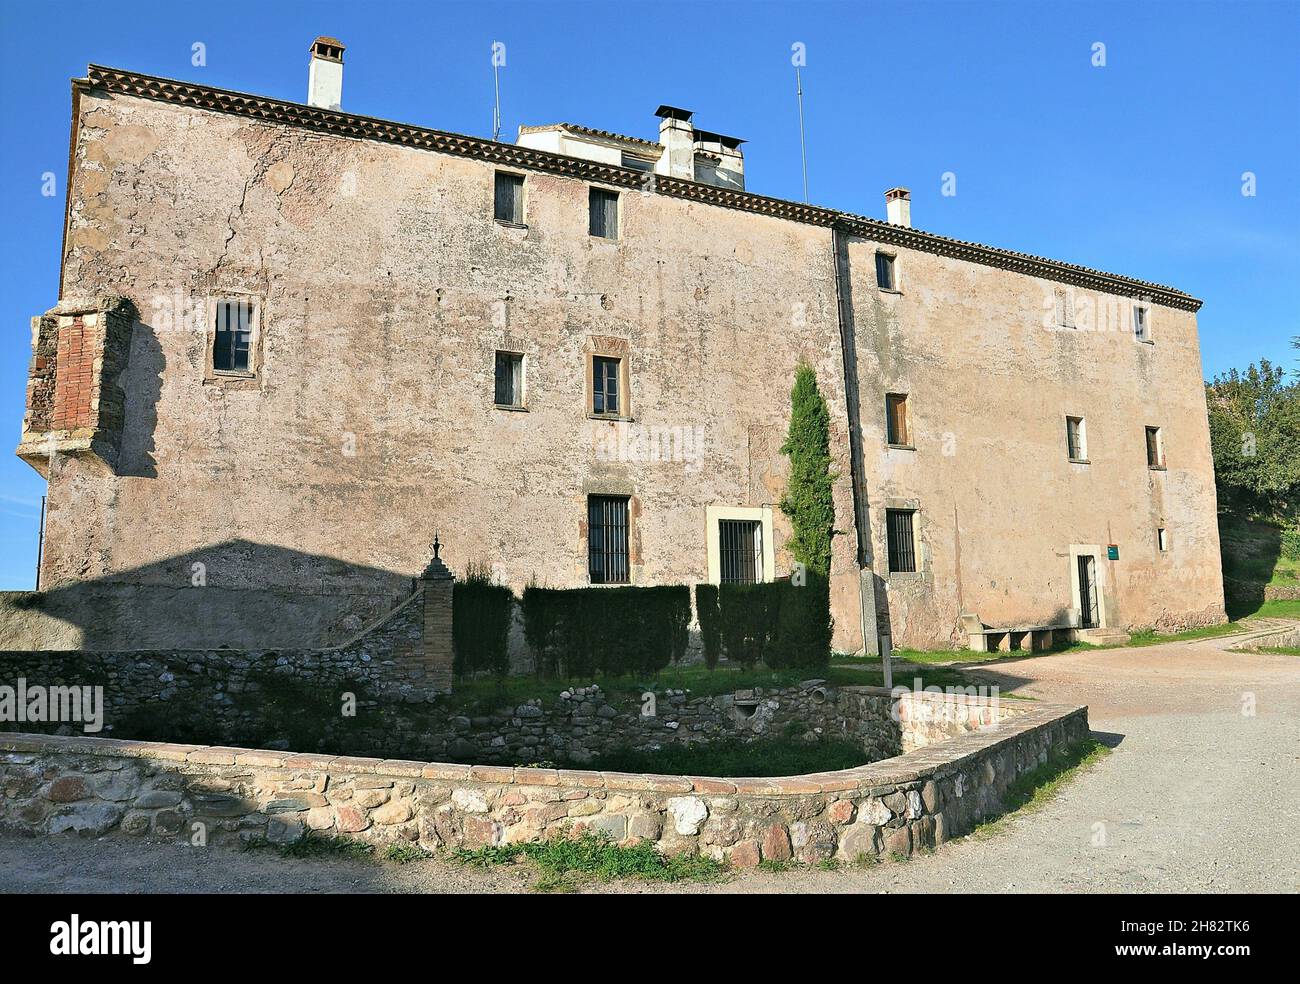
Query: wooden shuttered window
x=604, y=213
x=509, y=204
x=885, y=271
x=896, y=418
x=509, y=380
x=901, y=541
x=607, y=538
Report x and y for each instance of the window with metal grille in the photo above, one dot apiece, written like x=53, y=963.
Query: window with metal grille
x=740, y=546
x=604, y=384
x=884, y=271
x=1155, y=448
x=604, y=213
x=902, y=545
x=1141, y=330
x=607, y=523
x=509, y=204
x=234, y=336
x=896, y=418
x=1074, y=438
x=509, y=379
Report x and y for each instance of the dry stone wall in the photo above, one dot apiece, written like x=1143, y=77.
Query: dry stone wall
x=94, y=786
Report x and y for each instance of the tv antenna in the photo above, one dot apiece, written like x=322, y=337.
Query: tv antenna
x=803, y=149
x=496, y=84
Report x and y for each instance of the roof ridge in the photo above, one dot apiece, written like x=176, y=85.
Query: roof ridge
x=411, y=135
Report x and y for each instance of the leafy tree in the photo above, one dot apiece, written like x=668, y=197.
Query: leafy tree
x=1255, y=436
x=808, y=500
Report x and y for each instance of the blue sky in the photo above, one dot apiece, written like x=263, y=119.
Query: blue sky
x=1135, y=167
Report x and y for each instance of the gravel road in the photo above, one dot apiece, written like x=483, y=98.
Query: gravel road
x=1200, y=794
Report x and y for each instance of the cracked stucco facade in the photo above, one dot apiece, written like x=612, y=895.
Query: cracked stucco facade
x=310, y=492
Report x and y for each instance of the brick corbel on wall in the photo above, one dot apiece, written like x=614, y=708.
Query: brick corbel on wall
x=74, y=402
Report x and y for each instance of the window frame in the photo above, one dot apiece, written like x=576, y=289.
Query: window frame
x=1162, y=539
x=1142, y=309
x=234, y=378
x=899, y=549
x=1158, y=446
x=605, y=194
x=599, y=380
x=1076, y=451
x=891, y=265
x=521, y=402
x=891, y=433
x=604, y=500
x=521, y=181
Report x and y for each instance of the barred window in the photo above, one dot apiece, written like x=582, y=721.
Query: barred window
x=607, y=528
x=234, y=336
x=509, y=204
x=902, y=545
x=740, y=546
x=604, y=213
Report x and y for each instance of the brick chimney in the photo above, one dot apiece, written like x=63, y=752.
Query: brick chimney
x=325, y=76
x=898, y=207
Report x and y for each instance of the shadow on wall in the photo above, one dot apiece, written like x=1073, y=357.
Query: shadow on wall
x=141, y=381
x=237, y=594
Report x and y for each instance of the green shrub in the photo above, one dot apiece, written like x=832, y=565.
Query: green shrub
x=780, y=624
x=1291, y=542
x=613, y=631
x=480, y=624
x=706, y=610
x=808, y=499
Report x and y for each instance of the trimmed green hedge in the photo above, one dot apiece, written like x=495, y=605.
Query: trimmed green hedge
x=613, y=631
x=480, y=625
x=710, y=616
x=782, y=625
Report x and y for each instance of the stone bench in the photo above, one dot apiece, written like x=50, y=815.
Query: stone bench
x=1009, y=638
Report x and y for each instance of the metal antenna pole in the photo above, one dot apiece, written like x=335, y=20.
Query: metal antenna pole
x=496, y=83
x=803, y=149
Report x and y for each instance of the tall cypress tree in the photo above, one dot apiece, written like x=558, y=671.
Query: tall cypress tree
x=808, y=500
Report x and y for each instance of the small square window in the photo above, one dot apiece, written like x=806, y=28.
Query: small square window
x=896, y=419
x=1064, y=309
x=605, y=378
x=1155, y=448
x=1076, y=439
x=1141, y=323
x=607, y=539
x=509, y=382
x=509, y=198
x=885, y=278
x=899, y=530
x=233, y=338
x=604, y=213
x=1162, y=539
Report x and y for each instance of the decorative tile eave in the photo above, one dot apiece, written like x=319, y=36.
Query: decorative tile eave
x=512, y=155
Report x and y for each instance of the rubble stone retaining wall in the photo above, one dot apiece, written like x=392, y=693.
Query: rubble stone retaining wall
x=57, y=784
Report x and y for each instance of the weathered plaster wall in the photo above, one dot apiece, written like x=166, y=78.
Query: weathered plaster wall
x=51, y=785
x=387, y=288
x=990, y=383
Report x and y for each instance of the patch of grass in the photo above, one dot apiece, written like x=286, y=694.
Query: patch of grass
x=1036, y=787
x=765, y=757
x=316, y=846
x=900, y=858
x=1282, y=650
x=589, y=856
x=405, y=853
x=1280, y=608
x=1149, y=637
x=768, y=864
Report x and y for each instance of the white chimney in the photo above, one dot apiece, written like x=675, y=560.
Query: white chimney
x=325, y=77
x=898, y=207
x=677, y=137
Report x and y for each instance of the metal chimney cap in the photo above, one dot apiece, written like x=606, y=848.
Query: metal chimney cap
x=673, y=113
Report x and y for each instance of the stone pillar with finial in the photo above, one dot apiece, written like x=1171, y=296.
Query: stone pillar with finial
x=436, y=642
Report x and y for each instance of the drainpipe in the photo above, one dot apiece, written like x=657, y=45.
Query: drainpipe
x=848, y=349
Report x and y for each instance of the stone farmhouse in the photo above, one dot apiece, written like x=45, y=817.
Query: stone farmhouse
x=292, y=343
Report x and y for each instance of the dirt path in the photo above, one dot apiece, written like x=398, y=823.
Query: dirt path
x=1196, y=797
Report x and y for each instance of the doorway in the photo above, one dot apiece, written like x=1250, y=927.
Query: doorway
x=1088, y=609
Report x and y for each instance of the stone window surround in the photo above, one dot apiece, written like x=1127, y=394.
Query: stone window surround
x=609, y=347
x=712, y=515
x=919, y=550
x=227, y=378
